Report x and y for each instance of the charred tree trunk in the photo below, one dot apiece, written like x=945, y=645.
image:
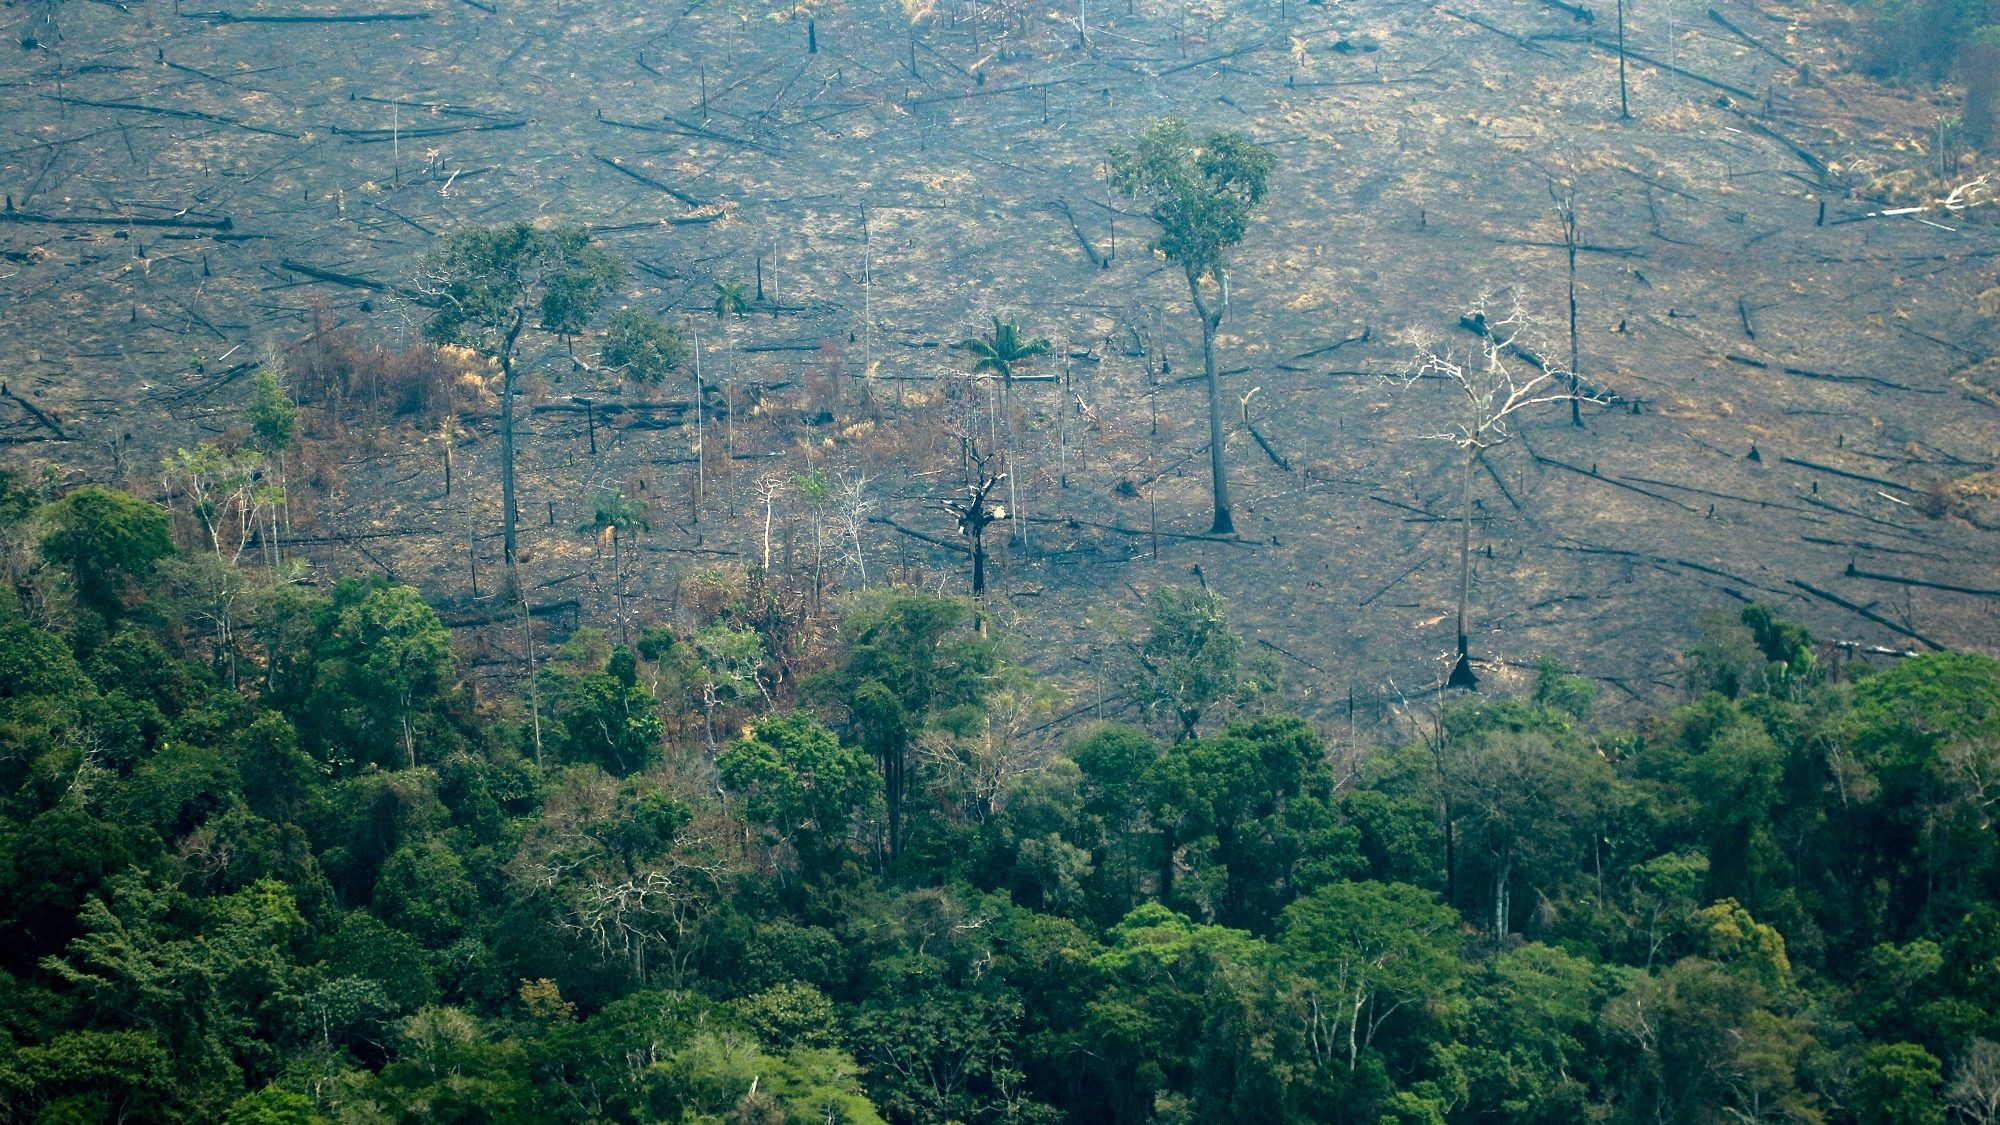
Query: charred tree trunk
x=1624, y=102
x=509, y=515
x=1461, y=670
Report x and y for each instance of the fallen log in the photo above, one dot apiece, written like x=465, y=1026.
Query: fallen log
x=1366, y=332
x=1141, y=532
x=34, y=412
x=1864, y=545
x=1977, y=591
x=1581, y=247
x=173, y=221
x=1577, y=12
x=181, y=114
x=1725, y=23
x=224, y=16
x=1283, y=651
x=915, y=534
x=1820, y=502
x=1525, y=44
x=1225, y=55
x=1820, y=168
x=1806, y=373
x=352, y=281
x=1394, y=582
x=1870, y=614
x=1703, y=79
x=445, y=108
x=1614, y=482
x=691, y=129
x=987, y=91
x=377, y=136
x=617, y=165
x=1817, y=467
x=670, y=220
x=546, y=609
x=1096, y=259
x=1270, y=451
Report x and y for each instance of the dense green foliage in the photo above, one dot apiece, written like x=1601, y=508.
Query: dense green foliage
x=303, y=873
x=1923, y=39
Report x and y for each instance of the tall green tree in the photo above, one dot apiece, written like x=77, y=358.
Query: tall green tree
x=1372, y=958
x=1201, y=191
x=797, y=779
x=909, y=662
x=383, y=666
x=109, y=541
x=489, y=285
x=1191, y=662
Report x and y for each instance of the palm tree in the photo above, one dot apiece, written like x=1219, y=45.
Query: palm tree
x=612, y=512
x=729, y=298
x=999, y=352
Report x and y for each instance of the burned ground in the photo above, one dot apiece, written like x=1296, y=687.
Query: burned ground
x=905, y=180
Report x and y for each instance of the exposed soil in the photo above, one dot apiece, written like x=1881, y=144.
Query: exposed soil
x=1412, y=143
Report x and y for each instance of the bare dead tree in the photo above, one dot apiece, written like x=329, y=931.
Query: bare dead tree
x=1562, y=193
x=1624, y=102
x=975, y=508
x=768, y=491
x=1503, y=377
x=852, y=507
x=1975, y=1085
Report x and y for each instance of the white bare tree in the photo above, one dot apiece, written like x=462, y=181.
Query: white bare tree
x=1974, y=1092
x=852, y=507
x=1505, y=375
x=768, y=491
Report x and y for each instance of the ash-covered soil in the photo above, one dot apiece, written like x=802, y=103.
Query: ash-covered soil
x=908, y=179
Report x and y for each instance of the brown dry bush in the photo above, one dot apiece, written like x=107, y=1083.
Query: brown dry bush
x=352, y=380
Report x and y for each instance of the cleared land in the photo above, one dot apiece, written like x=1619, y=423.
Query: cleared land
x=903, y=181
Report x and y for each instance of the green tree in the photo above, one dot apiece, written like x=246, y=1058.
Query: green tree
x=488, y=285
x=1705, y=1042
x=909, y=662
x=1180, y=1022
x=612, y=514
x=1191, y=661
x=109, y=541
x=1532, y=1051
x=387, y=657
x=646, y=348
x=1001, y=350
x=1897, y=1084
x=210, y=995
x=1200, y=190
x=729, y=670
x=272, y=1106
x=610, y=722
x=730, y=299
x=798, y=780
x=1114, y=762
x=274, y=420
x=424, y=891
x=94, y=1075
x=1369, y=955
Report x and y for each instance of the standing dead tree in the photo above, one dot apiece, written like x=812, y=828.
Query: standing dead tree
x=852, y=511
x=976, y=507
x=1492, y=385
x=1562, y=194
